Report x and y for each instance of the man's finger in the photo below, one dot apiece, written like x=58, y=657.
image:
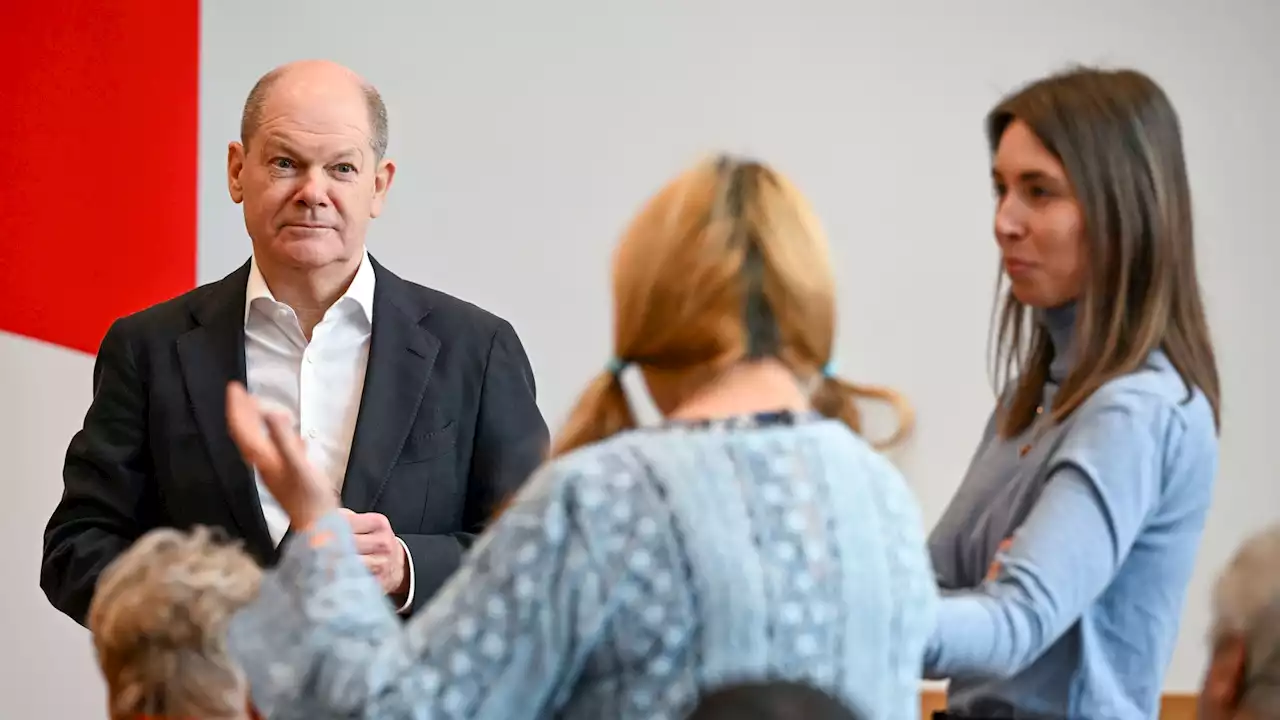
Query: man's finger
x=363, y=523
x=371, y=544
x=375, y=564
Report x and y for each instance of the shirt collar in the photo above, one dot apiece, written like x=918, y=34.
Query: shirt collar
x=360, y=290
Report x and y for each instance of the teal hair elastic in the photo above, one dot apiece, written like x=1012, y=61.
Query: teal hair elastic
x=829, y=370
x=615, y=366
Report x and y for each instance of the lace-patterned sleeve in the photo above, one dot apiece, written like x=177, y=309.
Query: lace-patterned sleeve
x=502, y=639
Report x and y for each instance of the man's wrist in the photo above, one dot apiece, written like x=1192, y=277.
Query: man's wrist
x=403, y=588
x=403, y=596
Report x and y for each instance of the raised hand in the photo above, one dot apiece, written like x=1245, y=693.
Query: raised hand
x=279, y=456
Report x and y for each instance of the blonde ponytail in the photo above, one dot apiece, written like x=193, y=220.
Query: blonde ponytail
x=601, y=411
x=838, y=400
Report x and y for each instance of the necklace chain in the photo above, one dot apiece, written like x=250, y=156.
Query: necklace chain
x=1036, y=427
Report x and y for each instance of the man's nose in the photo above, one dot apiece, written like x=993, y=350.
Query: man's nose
x=314, y=191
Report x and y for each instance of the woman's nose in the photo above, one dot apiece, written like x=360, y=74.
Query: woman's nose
x=1010, y=224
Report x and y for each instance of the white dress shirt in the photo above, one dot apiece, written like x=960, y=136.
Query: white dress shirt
x=318, y=382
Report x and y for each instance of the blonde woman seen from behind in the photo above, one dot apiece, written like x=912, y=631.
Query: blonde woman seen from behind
x=752, y=535
x=159, y=621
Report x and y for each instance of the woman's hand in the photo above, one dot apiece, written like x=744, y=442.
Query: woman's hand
x=280, y=458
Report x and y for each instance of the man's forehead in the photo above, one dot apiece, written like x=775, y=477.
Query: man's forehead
x=314, y=108
x=300, y=140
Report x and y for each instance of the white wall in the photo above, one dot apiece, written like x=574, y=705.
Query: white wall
x=527, y=133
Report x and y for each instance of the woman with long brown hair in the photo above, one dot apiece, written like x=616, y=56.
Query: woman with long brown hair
x=1067, y=550
x=752, y=535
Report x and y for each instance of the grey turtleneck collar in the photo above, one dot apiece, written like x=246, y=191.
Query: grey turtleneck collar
x=1060, y=322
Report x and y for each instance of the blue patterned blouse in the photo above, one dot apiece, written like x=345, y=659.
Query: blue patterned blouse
x=628, y=578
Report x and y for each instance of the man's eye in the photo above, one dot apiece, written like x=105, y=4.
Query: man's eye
x=345, y=168
x=283, y=163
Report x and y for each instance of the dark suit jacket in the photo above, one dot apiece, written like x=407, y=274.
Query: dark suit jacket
x=448, y=427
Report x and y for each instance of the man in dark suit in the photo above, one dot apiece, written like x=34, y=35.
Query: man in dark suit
x=418, y=407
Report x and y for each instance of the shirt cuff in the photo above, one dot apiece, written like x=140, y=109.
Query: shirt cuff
x=408, y=598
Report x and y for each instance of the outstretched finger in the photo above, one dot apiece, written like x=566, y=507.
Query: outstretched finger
x=244, y=423
x=287, y=443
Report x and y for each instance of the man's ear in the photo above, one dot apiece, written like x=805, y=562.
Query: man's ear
x=381, y=184
x=235, y=166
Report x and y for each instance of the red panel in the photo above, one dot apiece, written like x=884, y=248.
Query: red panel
x=98, y=146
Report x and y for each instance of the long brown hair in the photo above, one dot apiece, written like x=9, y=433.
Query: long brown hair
x=1118, y=138
x=725, y=263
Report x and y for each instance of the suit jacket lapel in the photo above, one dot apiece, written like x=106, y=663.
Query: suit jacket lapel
x=401, y=356
x=212, y=355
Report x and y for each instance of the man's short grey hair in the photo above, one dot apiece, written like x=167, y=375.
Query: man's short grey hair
x=1246, y=604
x=254, y=105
